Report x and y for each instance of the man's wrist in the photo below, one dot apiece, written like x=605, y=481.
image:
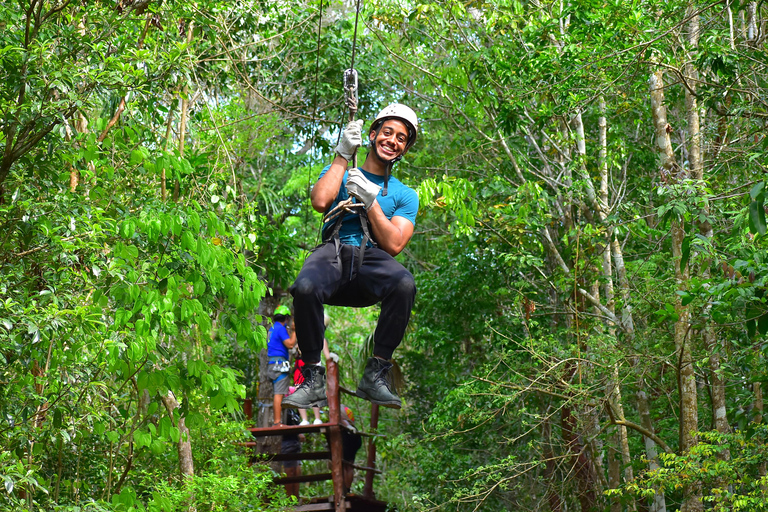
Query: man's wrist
x=346, y=160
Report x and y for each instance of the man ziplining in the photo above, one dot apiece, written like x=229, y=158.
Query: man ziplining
x=355, y=265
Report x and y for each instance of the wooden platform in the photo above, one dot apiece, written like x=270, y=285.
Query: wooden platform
x=352, y=503
x=333, y=430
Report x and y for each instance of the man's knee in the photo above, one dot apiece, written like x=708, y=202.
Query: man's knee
x=303, y=287
x=406, y=285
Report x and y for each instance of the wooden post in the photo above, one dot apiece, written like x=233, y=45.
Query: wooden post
x=334, y=435
x=248, y=410
x=371, y=460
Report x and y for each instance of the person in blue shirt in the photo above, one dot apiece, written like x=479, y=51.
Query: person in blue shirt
x=279, y=342
x=355, y=265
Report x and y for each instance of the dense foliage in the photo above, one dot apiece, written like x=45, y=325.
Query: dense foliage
x=590, y=325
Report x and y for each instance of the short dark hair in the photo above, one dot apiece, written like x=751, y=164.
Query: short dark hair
x=281, y=318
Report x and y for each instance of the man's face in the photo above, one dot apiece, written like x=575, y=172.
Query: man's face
x=393, y=137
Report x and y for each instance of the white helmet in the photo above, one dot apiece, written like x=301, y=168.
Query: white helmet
x=404, y=114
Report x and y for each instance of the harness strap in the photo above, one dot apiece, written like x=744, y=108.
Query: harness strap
x=333, y=234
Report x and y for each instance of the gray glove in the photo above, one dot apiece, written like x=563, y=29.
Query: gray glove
x=362, y=188
x=351, y=139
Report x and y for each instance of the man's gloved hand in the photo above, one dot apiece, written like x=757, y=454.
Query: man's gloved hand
x=333, y=357
x=360, y=187
x=351, y=139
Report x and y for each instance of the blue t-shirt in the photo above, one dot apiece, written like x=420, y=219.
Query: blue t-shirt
x=400, y=201
x=277, y=335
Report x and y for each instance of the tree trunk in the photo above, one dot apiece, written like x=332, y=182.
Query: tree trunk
x=758, y=407
x=659, y=501
x=686, y=377
x=184, y=100
x=553, y=497
x=582, y=464
x=614, y=469
x=184, y=446
x=621, y=438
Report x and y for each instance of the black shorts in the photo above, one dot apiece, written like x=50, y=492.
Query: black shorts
x=350, y=443
x=291, y=446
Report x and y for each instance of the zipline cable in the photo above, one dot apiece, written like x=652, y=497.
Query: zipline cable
x=350, y=81
x=354, y=37
x=350, y=91
x=314, y=113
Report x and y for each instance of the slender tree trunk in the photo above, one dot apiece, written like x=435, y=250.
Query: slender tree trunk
x=686, y=377
x=758, y=407
x=752, y=22
x=614, y=468
x=621, y=438
x=553, y=497
x=184, y=100
x=582, y=465
x=691, y=102
x=659, y=501
x=184, y=446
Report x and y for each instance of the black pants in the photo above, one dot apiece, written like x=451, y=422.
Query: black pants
x=331, y=276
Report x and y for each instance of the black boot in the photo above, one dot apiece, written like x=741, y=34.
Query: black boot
x=311, y=392
x=375, y=386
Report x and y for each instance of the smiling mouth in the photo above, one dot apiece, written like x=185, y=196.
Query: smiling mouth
x=387, y=150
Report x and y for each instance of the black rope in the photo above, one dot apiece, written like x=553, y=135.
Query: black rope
x=314, y=114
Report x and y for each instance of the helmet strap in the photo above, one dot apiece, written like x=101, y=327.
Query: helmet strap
x=386, y=177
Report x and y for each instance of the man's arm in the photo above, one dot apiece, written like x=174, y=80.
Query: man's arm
x=391, y=235
x=327, y=188
x=290, y=341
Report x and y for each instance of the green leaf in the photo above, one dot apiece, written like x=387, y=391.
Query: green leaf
x=8, y=483
x=188, y=241
x=194, y=222
x=751, y=328
x=127, y=228
x=136, y=157
x=757, y=218
x=757, y=189
x=175, y=434
x=762, y=324
x=685, y=253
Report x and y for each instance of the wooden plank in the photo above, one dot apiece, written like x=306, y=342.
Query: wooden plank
x=297, y=429
x=288, y=429
x=295, y=456
x=311, y=507
x=320, y=477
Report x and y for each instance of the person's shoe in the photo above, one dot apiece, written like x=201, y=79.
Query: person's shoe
x=303, y=423
x=311, y=392
x=375, y=386
x=317, y=421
